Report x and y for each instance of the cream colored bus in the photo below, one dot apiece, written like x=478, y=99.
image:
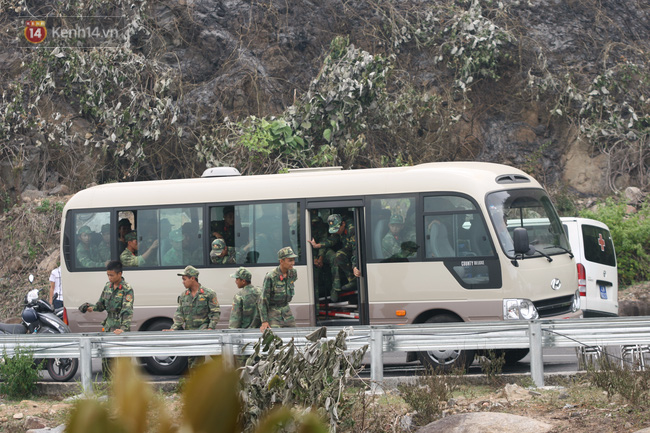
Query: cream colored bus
x=437, y=242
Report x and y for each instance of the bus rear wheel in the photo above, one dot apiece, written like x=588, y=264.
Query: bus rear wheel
x=446, y=360
x=164, y=365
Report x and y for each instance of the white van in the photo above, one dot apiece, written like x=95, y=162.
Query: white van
x=592, y=245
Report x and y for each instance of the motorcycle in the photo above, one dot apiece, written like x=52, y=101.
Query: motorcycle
x=38, y=317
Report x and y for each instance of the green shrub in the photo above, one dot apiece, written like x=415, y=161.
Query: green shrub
x=18, y=374
x=631, y=236
x=428, y=393
x=632, y=385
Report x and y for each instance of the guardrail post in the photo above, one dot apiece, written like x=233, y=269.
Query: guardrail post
x=536, y=353
x=86, y=364
x=227, y=352
x=376, y=359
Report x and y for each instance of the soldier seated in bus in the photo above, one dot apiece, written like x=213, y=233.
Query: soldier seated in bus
x=221, y=254
x=130, y=257
x=391, y=244
x=407, y=250
x=123, y=227
x=86, y=253
x=192, y=245
x=104, y=247
x=227, y=226
x=174, y=256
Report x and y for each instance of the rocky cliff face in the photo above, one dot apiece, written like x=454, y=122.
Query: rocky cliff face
x=555, y=87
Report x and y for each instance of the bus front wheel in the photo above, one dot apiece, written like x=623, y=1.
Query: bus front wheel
x=164, y=365
x=446, y=360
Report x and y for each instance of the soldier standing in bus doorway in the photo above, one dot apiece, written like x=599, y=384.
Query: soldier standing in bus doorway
x=198, y=307
x=245, y=311
x=129, y=256
x=277, y=291
x=117, y=300
x=345, y=259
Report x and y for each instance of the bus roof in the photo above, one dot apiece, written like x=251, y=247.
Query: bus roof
x=475, y=178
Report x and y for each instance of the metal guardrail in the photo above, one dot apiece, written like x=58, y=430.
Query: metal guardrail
x=534, y=335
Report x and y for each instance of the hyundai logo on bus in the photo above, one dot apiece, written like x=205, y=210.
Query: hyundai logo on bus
x=556, y=284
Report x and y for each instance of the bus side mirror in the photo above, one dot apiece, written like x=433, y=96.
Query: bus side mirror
x=520, y=239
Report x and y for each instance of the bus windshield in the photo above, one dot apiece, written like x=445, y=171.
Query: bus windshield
x=531, y=209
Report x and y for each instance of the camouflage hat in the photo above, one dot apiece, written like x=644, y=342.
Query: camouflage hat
x=286, y=253
x=218, y=245
x=176, y=235
x=396, y=219
x=334, y=222
x=84, y=229
x=131, y=236
x=106, y=228
x=189, y=271
x=243, y=274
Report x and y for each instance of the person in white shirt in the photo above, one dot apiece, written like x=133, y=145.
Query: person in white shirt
x=55, y=288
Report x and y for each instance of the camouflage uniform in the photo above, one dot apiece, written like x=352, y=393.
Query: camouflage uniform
x=197, y=312
x=345, y=259
x=392, y=244
x=118, y=303
x=321, y=275
x=127, y=257
x=218, y=245
x=85, y=257
x=174, y=256
x=277, y=292
x=104, y=248
x=245, y=311
x=228, y=232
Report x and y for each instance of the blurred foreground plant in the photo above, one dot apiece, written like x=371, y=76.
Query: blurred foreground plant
x=210, y=404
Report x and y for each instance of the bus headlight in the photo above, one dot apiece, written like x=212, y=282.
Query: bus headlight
x=519, y=309
x=576, y=302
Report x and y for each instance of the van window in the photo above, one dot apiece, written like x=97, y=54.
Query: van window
x=598, y=245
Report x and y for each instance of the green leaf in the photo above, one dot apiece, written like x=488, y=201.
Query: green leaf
x=327, y=134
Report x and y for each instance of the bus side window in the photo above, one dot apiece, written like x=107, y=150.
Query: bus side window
x=91, y=250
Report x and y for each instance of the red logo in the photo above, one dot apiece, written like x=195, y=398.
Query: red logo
x=35, y=31
x=601, y=242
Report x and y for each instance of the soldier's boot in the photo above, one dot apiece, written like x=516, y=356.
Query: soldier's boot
x=334, y=295
x=351, y=285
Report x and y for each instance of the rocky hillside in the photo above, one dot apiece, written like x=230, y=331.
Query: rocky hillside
x=556, y=87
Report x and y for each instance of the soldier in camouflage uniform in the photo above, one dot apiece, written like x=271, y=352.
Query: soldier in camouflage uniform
x=319, y=228
x=391, y=244
x=117, y=300
x=174, y=256
x=245, y=311
x=84, y=254
x=198, y=307
x=104, y=247
x=129, y=256
x=277, y=291
x=220, y=254
x=344, y=261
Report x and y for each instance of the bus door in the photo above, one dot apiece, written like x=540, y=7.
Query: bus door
x=336, y=227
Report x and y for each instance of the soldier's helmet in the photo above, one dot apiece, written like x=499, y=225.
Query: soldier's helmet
x=106, y=228
x=243, y=274
x=334, y=222
x=131, y=236
x=286, y=253
x=396, y=219
x=189, y=271
x=218, y=245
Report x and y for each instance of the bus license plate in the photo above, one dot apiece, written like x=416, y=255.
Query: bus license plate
x=603, y=292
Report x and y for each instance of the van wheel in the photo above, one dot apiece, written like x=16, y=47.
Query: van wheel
x=446, y=360
x=164, y=365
